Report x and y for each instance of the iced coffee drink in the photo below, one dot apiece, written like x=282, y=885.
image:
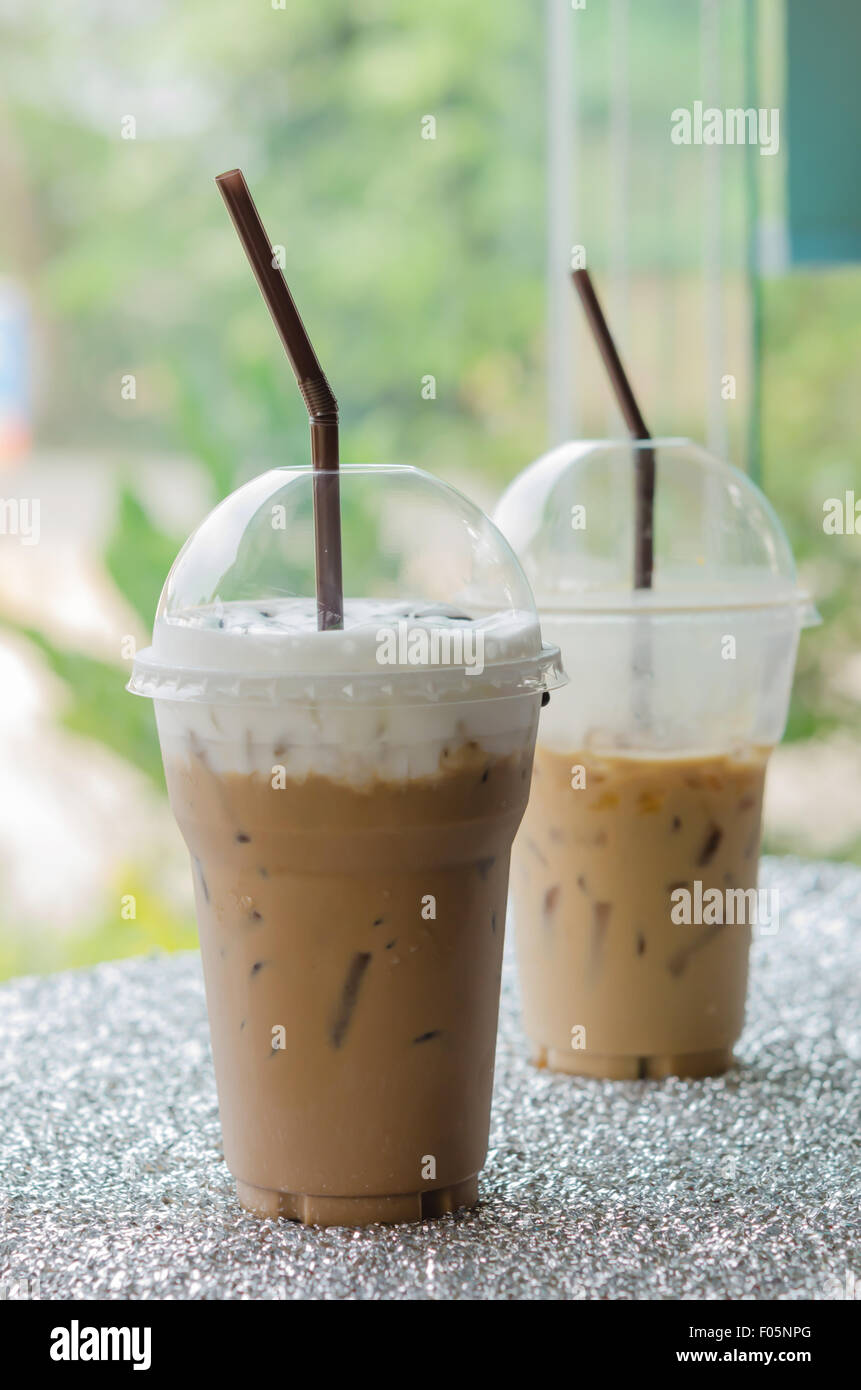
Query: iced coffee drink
x=613, y=985
x=649, y=766
x=351, y=921
x=350, y=820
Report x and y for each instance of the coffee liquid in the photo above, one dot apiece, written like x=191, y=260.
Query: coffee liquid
x=593, y=872
x=352, y=944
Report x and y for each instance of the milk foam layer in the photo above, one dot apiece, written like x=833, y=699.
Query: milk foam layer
x=664, y=682
x=334, y=710
x=280, y=635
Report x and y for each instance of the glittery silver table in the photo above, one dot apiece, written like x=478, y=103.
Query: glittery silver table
x=112, y=1182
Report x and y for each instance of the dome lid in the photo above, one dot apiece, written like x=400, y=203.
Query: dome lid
x=436, y=604
x=718, y=543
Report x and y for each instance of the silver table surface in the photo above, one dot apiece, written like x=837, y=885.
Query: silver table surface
x=112, y=1181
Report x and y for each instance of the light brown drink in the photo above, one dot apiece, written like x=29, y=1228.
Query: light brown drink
x=592, y=874
x=314, y=905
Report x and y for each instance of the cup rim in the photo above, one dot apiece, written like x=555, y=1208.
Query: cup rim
x=154, y=679
x=646, y=603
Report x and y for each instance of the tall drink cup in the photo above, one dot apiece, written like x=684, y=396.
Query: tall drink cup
x=349, y=799
x=634, y=874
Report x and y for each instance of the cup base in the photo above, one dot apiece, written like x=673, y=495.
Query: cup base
x=357, y=1211
x=688, y=1065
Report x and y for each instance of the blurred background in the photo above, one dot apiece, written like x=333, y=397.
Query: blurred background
x=429, y=171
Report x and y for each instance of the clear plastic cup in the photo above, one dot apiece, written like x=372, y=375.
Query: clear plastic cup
x=349, y=799
x=643, y=824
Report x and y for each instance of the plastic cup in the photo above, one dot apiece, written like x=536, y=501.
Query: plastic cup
x=635, y=870
x=349, y=799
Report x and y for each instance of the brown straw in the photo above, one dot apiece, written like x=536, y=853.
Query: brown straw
x=316, y=393
x=645, y=458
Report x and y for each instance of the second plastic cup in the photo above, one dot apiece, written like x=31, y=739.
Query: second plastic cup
x=635, y=871
x=349, y=799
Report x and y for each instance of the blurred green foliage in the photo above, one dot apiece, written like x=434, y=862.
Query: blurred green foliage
x=98, y=706
x=407, y=257
x=138, y=555
x=155, y=927
x=812, y=413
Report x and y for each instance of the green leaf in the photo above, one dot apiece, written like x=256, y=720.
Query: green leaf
x=138, y=556
x=100, y=707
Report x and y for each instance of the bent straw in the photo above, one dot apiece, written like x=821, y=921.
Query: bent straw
x=316, y=393
x=645, y=458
